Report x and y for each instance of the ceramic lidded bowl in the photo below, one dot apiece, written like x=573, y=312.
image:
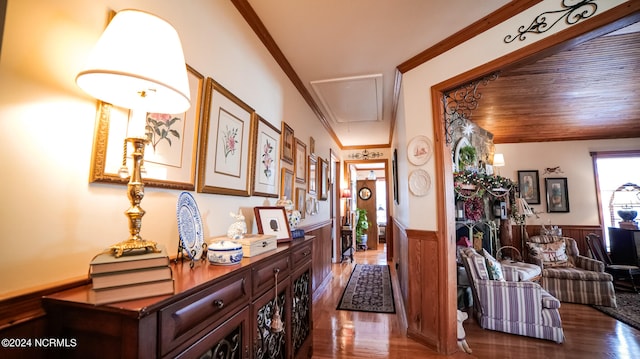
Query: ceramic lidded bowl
x=224, y=252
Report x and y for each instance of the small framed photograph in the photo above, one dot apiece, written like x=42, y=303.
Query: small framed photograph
x=301, y=200
x=557, y=194
x=528, y=183
x=266, y=167
x=286, y=186
x=300, y=165
x=273, y=221
x=312, y=173
x=323, y=183
x=288, y=143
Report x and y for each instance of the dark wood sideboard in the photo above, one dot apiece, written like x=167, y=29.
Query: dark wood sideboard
x=215, y=311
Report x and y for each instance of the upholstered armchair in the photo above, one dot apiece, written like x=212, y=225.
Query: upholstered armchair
x=522, y=308
x=569, y=276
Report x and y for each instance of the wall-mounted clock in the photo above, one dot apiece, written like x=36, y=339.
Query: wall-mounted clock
x=364, y=193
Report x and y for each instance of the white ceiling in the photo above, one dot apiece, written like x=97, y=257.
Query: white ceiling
x=346, y=51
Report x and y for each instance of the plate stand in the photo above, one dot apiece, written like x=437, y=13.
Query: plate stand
x=181, y=257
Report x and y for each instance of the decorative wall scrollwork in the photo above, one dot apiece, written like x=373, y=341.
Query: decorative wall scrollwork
x=572, y=11
x=459, y=104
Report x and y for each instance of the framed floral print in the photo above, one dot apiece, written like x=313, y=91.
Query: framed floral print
x=170, y=157
x=225, y=143
x=287, y=184
x=266, y=167
x=312, y=173
x=288, y=143
x=300, y=163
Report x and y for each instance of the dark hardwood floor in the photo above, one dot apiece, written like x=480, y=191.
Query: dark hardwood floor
x=343, y=334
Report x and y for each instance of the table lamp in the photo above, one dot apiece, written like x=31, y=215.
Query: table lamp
x=137, y=64
x=498, y=161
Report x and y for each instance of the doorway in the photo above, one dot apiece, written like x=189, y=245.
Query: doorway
x=374, y=174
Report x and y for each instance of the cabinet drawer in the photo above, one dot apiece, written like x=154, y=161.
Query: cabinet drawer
x=183, y=319
x=300, y=254
x=263, y=274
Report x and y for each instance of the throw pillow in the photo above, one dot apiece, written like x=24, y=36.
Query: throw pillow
x=553, y=254
x=493, y=266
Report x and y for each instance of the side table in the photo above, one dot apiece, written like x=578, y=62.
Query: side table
x=347, y=244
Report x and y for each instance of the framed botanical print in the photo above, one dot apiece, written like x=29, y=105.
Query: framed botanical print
x=225, y=143
x=312, y=173
x=286, y=190
x=300, y=163
x=528, y=183
x=323, y=182
x=557, y=194
x=288, y=143
x=266, y=167
x=170, y=157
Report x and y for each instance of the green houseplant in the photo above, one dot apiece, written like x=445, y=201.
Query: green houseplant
x=362, y=224
x=467, y=156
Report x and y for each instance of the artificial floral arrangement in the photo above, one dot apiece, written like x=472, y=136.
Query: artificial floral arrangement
x=471, y=186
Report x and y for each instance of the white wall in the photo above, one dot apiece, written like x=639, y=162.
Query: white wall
x=417, y=117
x=53, y=221
x=576, y=164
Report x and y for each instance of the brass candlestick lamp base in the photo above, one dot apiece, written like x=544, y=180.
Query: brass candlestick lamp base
x=135, y=192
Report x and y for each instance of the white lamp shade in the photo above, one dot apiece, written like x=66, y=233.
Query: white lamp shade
x=523, y=207
x=138, y=53
x=498, y=160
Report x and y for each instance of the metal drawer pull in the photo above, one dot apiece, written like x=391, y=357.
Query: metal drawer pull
x=218, y=303
x=264, y=244
x=304, y=254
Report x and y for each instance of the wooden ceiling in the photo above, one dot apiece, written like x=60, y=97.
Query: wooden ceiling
x=591, y=91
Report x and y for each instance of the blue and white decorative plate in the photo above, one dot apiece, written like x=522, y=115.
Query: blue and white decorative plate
x=190, y=226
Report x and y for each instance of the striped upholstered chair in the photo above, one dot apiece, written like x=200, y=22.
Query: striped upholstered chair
x=521, y=308
x=569, y=276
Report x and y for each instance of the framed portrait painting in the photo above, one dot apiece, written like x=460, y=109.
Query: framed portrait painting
x=170, y=156
x=266, y=167
x=528, y=183
x=273, y=220
x=288, y=143
x=225, y=143
x=557, y=194
x=300, y=163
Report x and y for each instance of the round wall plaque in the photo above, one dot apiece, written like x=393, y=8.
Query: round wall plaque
x=364, y=193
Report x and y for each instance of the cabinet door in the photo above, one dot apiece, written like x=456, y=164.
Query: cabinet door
x=229, y=340
x=268, y=344
x=301, y=302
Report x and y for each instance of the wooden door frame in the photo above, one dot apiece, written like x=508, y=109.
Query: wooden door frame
x=611, y=20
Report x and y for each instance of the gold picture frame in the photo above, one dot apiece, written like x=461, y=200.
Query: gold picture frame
x=226, y=148
x=288, y=143
x=173, y=166
x=286, y=187
x=266, y=166
x=301, y=201
x=300, y=163
x=312, y=173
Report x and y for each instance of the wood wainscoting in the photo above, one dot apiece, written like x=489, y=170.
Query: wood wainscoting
x=422, y=265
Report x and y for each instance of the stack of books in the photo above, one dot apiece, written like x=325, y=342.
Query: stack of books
x=131, y=276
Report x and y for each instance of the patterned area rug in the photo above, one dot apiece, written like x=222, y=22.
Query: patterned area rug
x=628, y=310
x=369, y=290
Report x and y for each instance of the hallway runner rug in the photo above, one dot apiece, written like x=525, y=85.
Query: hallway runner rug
x=369, y=290
x=628, y=310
